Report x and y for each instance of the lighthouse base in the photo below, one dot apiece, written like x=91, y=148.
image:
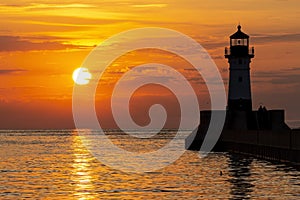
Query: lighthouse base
x=263, y=134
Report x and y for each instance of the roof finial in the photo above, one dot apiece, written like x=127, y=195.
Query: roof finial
x=239, y=26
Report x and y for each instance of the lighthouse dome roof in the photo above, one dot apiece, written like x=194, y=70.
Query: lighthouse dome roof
x=239, y=34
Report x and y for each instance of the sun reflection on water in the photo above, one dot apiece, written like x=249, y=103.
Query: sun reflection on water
x=81, y=174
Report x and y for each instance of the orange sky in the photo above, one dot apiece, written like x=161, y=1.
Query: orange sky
x=42, y=43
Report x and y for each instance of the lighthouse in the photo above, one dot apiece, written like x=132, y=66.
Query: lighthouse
x=239, y=56
x=261, y=132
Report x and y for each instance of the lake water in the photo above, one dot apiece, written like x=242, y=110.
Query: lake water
x=56, y=165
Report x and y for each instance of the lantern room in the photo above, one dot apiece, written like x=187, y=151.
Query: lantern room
x=239, y=38
x=239, y=45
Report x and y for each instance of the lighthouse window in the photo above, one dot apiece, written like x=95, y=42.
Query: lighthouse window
x=240, y=79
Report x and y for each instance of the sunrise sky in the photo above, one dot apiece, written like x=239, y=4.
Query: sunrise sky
x=43, y=42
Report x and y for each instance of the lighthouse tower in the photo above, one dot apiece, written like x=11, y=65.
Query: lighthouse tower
x=239, y=57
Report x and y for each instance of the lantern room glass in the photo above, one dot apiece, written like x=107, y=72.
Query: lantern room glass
x=239, y=42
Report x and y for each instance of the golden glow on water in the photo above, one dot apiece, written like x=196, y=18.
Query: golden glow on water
x=55, y=165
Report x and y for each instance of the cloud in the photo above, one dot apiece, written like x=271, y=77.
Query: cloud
x=261, y=39
x=13, y=5
x=213, y=81
x=16, y=43
x=282, y=76
x=63, y=6
x=49, y=5
x=150, y=5
x=208, y=43
x=11, y=71
x=190, y=69
x=293, y=69
x=255, y=39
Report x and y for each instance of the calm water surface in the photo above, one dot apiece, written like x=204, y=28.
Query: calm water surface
x=55, y=165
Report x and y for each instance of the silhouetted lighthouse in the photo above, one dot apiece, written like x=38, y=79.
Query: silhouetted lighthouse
x=239, y=57
x=262, y=133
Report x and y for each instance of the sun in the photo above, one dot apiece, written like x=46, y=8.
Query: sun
x=81, y=76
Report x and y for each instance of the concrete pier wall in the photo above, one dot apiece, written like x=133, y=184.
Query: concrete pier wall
x=295, y=139
x=276, y=142
x=272, y=145
x=280, y=139
x=264, y=152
